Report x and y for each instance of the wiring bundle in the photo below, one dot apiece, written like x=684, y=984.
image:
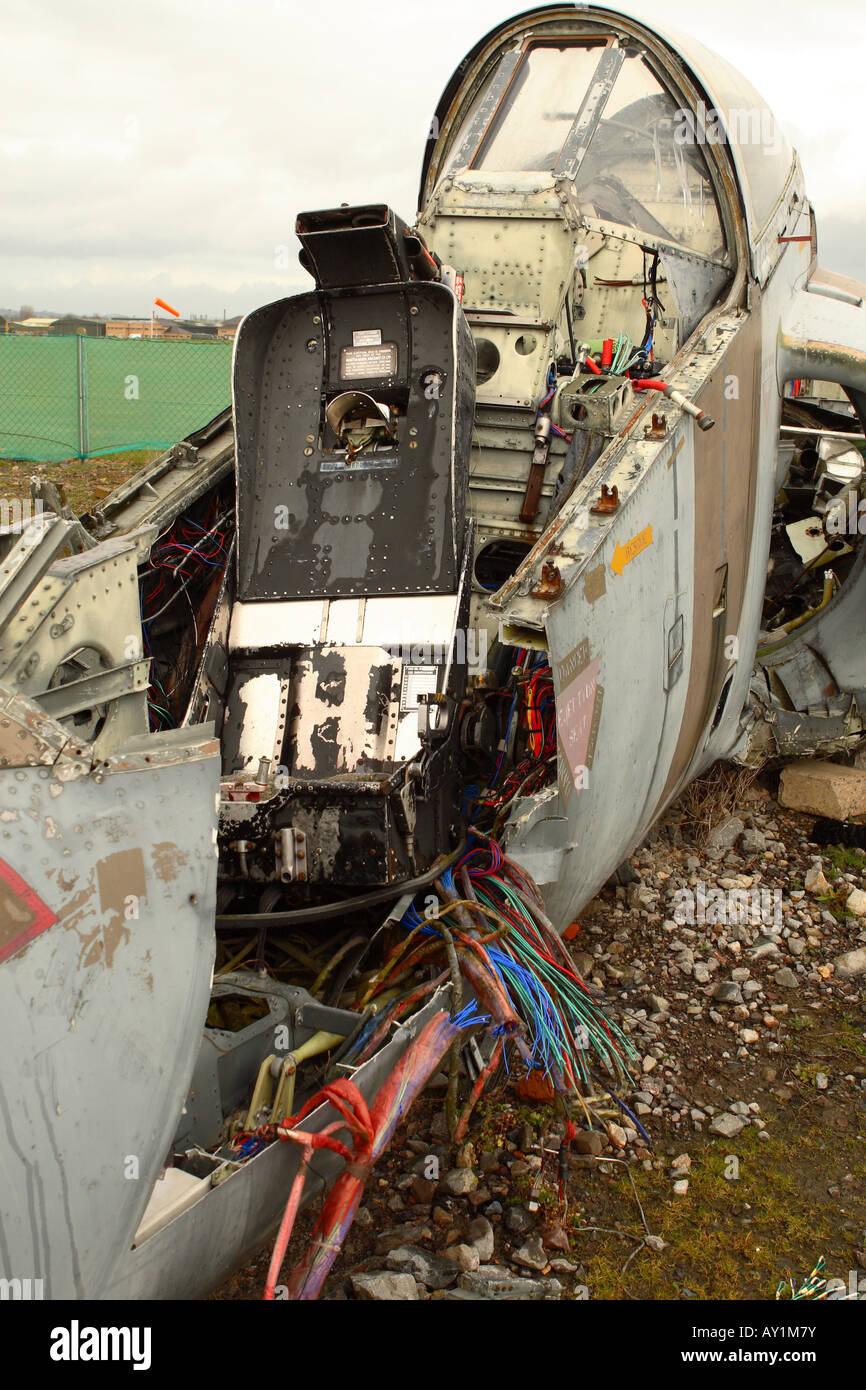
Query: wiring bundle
x=183, y=557
x=484, y=930
x=525, y=709
x=487, y=920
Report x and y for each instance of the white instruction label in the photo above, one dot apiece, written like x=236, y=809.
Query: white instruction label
x=377, y=360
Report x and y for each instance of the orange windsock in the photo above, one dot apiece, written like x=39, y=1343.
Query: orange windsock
x=162, y=304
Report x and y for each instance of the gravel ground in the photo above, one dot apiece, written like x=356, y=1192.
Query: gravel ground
x=751, y=1086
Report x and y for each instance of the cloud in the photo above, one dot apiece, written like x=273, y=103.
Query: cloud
x=168, y=147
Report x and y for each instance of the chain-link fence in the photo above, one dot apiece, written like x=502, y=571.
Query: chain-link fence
x=78, y=397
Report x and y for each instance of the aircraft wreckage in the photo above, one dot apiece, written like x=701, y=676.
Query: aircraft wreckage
x=318, y=732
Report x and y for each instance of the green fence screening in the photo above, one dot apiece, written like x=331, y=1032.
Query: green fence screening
x=78, y=397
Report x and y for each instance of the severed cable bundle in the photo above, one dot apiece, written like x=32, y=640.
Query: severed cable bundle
x=493, y=933
x=493, y=913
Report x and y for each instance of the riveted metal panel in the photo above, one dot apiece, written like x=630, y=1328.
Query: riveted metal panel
x=313, y=522
x=103, y=998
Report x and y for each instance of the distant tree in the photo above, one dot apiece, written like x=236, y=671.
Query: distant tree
x=26, y=311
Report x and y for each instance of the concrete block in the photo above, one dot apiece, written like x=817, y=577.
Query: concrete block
x=823, y=789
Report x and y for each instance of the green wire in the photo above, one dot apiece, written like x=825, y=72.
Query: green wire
x=567, y=998
x=569, y=1003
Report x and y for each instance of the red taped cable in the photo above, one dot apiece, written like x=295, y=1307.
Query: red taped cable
x=345, y=1097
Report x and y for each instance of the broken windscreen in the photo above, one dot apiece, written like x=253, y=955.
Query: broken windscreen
x=594, y=113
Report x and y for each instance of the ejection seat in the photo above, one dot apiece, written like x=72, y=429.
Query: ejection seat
x=353, y=414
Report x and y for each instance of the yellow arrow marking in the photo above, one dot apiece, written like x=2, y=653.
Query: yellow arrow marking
x=624, y=554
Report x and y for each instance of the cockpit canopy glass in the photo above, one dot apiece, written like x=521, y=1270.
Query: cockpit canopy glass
x=530, y=127
x=638, y=157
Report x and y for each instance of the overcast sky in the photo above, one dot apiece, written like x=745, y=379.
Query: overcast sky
x=165, y=149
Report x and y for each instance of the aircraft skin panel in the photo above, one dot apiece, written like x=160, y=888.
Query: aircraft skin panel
x=732, y=504
x=103, y=1009
x=792, y=269
x=202, y=1246
x=723, y=502
x=646, y=655
x=608, y=643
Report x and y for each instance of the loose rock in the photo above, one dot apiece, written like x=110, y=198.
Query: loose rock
x=815, y=882
x=724, y=837
x=466, y=1257
x=728, y=1126
x=519, y=1221
x=382, y=1287
x=823, y=789
x=851, y=964
x=481, y=1236
x=494, y=1281
x=728, y=992
x=532, y=1254
x=435, y=1271
x=458, y=1182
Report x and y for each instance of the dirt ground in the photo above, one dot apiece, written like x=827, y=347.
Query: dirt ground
x=85, y=480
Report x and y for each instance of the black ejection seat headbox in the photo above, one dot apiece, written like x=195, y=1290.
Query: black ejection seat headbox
x=312, y=521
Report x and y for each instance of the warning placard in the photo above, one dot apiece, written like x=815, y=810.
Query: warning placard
x=578, y=712
x=362, y=362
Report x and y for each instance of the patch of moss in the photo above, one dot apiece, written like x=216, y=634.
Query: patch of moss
x=801, y=1023
x=835, y=902
x=728, y=1238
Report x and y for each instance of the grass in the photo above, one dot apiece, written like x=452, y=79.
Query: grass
x=800, y=1023
x=494, y=1117
x=730, y=1238
x=711, y=799
x=840, y=859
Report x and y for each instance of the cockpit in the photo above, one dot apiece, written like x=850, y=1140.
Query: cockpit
x=577, y=195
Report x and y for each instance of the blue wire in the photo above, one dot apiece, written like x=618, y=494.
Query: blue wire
x=469, y=1015
x=622, y=1105
x=505, y=740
